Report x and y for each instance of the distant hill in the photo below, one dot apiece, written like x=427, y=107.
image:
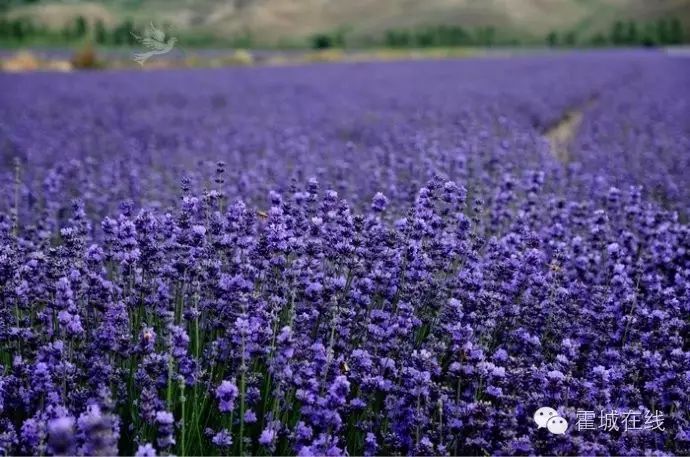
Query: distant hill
x=294, y=21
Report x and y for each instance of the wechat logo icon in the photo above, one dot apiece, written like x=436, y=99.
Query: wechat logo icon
x=548, y=418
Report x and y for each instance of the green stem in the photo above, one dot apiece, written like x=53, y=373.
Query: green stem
x=242, y=389
x=419, y=408
x=183, y=400
x=169, y=396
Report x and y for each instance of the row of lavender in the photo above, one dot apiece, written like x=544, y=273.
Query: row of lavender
x=642, y=129
x=362, y=128
x=371, y=259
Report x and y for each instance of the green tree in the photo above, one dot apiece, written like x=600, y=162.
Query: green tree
x=18, y=30
x=80, y=27
x=397, y=38
x=459, y=36
x=122, y=34
x=321, y=41
x=552, y=39
x=649, y=36
x=631, y=35
x=424, y=37
x=489, y=36
x=100, y=33
x=618, y=33
x=570, y=39
x=676, y=31
x=338, y=38
x=118, y=37
x=129, y=29
x=662, y=31
x=4, y=28
x=441, y=36
x=599, y=40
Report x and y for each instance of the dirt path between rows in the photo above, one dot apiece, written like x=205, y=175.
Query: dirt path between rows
x=562, y=134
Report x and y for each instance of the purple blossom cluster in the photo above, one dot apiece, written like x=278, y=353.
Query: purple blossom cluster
x=365, y=259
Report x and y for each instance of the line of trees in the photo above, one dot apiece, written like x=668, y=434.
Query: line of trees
x=420, y=37
x=663, y=32
x=440, y=36
x=23, y=30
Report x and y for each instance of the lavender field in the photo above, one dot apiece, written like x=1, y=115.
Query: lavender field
x=355, y=259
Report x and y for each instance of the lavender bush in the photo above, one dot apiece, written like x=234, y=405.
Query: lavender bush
x=366, y=259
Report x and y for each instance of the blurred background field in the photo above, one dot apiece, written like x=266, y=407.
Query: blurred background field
x=67, y=34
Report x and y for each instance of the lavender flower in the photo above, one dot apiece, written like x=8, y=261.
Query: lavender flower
x=146, y=450
x=166, y=427
x=61, y=435
x=226, y=393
